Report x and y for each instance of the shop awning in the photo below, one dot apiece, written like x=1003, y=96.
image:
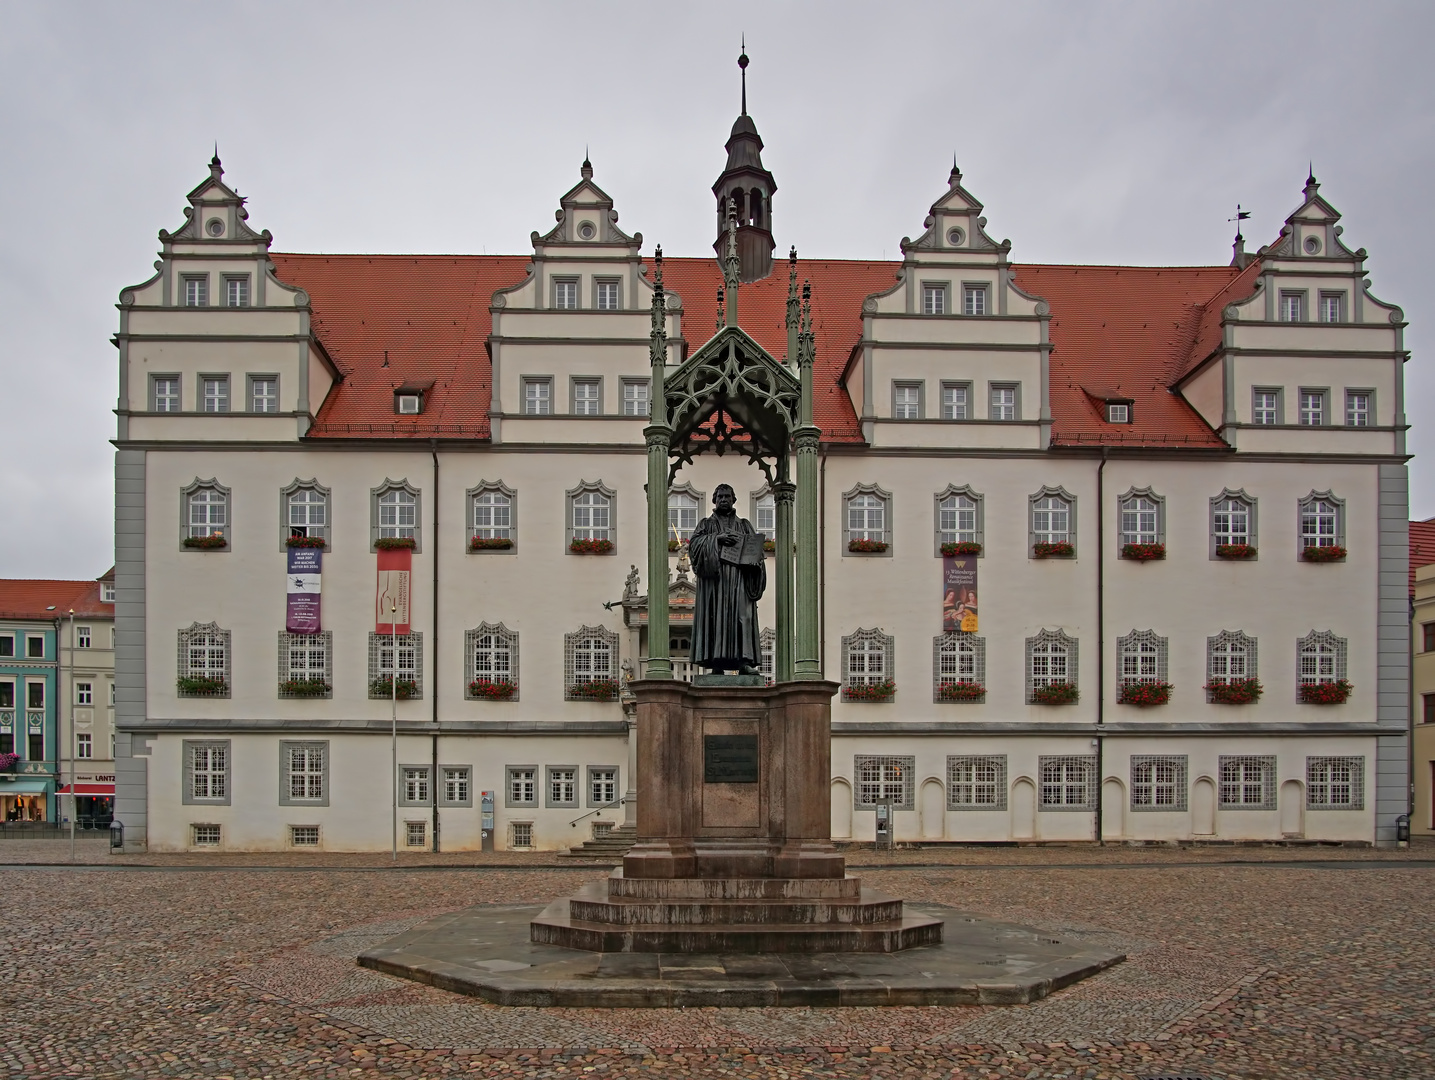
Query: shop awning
x=23, y=787
x=89, y=789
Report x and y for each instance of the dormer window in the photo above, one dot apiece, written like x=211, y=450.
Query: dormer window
x=107, y=592
x=408, y=404
x=1118, y=412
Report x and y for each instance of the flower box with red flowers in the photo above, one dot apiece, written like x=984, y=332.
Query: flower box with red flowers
x=8, y=761
x=880, y=691
x=961, y=691
x=212, y=542
x=201, y=686
x=396, y=543
x=1057, y=693
x=1325, y=693
x=489, y=690
x=304, y=542
x=1045, y=550
x=964, y=548
x=1235, y=551
x=769, y=546
x=590, y=547
x=594, y=690
x=1143, y=552
x=1235, y=692
x=489, y=543
x=304, y=688
x=1144, y=694
x=383, y=687
x=1333, y=553
x=866, y=547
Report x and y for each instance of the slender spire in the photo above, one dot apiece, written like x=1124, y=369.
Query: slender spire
x=587, y=169
x=742, y=64
x=658, y=336
x=1311, y=186
x=721, y=316
x=216, y=170
x=792, y=290
x=732, y=264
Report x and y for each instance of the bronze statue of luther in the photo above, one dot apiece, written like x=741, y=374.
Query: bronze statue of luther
x=727, y=556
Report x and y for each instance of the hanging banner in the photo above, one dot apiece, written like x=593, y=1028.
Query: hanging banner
x=391, y=605
x=302, y=614
x=959, y=593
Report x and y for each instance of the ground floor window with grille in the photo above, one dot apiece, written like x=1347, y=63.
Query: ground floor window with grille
x=410, y=651
x=960, y=667
x=1068, y=782
x=1158, y=782
x=1335, y=783
x=1248, y=782
x=303, y=836
x=591, y=656
x=522, y=834
x=492, y=663
x=1051, y=669
x=602, y=787
x=885, y=777
x=416, y=833
x=306, y=772
x=976, y=782
x=203, y=661
x=867, y=665
x=204, y=835
x=305, y=664
x=206, y=767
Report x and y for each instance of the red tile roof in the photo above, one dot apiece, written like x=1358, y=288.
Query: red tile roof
x=22, y=598
x=1422, y=546
x=1132, y=331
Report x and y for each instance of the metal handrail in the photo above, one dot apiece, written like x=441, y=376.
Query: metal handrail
x=619, y=801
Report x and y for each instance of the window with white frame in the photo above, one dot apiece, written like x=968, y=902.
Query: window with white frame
x=606, y=294
x=1141, y=514
x=520, y=834
x=107, y=596
x=410, y=664
x=1118, y=412
x=956, y=401
x=867, y=515
x=1332, y=307
x=84, y=693
x=602, y=786
x=457, y=785
x=562, y=785
x=206, y=771
x=766, y=646
x=977, y=782
x=1265, y=407
x=236, y=291
x=764, y=513
x=565, y=294
x=537, y=396
x=1357, y=408
x=636, y=393
x=959, y=517
x=305, y=768
x=1248, y=782
x=1068, y=782
x=684, y=510
x=959, y=661
x=263, y=394
x=1322, y=520
x=1143, y=657
x=7, y=644
x=395, y=511
x=934, y=299
x=591, y=513
x=164, y=391
x=522, y=786
x=35, y=648
x=1230, y=657
x=1312, y=408
x=1233, y=520
x=1320, y=658
x=215, y=393
x=907, y=401
x=82, y=637
x=1292, y=306
x=1158, y=782
x=206, y=510
x=203, y=661
x=1003, y=402
x=1050, y=662
x=416, y=834
x=492, y=659
x=84, y=745
x=303, y=836
x=974, y=299
x=306, y=510
x=884, y=776
x=204, y=835
x=591, y=663
x=492, y=514
x=196, y=290
x=587, y=397
x=1335, y=783
x=1053, y=517
x=414, y=785
x=867, y=659
x=306, y=665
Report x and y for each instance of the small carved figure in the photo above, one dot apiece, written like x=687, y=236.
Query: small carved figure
x=728, y=558
x=630, y=584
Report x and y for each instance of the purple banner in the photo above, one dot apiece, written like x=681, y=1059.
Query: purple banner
x=302, y=614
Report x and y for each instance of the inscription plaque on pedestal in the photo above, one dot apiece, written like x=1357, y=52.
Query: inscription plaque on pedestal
x=730, y=759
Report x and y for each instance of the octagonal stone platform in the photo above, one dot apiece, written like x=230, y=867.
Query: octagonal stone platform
x=486, y=951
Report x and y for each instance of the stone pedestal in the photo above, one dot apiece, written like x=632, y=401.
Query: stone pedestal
x=734, y=853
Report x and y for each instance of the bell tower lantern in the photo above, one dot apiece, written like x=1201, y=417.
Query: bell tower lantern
x=749, y=187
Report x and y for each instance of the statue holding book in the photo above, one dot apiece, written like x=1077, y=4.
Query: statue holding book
x=727, y=556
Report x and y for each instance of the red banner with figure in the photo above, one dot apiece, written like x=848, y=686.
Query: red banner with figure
x=391, y=603
x=959, y=594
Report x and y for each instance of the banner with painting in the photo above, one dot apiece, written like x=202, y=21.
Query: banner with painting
x=959, y=593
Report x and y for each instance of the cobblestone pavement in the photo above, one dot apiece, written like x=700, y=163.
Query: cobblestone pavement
x=1245, y=963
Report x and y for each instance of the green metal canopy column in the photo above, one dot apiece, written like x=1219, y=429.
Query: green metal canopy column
x=658, y=435
x=782, y=646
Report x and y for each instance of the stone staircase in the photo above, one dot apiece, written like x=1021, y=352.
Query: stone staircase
x=611, y=846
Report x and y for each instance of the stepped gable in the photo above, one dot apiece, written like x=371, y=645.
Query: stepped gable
x=1127, y=331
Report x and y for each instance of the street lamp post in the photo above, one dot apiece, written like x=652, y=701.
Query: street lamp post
x=394, y=721
x=74, y=803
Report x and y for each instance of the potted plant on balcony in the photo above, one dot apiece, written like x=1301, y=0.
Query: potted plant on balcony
x=1055, y=693
x=1144, y=695
x=878, y=691
x=963, y=547
x=384, y=687
x=1235, y=692
x=1043, y=549
x=1235, y=551
x=1325, y=693
x=1143, y=552
x=491, y=690
x=961, y=691
x=1330, y=553
x=212, y=542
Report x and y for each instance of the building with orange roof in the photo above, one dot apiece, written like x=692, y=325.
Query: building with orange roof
x=1422, y=677
x=1183, y=490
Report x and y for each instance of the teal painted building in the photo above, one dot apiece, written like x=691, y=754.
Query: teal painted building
x=28, y=719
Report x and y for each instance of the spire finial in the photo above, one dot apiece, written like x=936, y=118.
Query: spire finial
x=658, y=268
x=1311, y=186
x=587, y=170
x=216, y=170
x=742, y=63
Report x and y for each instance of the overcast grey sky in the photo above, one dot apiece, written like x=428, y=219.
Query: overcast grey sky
x=1093, y=132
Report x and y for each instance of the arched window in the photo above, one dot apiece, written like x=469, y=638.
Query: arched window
x=868, y=665
x=1320, y=658
x=395, y=511
x=493, y=517
x=1141, y=514
x=755, y=201
x=591, y=663
x=592, y=518
x=959, y=517
x=1050, y=668
x=959, y=668
x=305, y=511
x=205, y=510
x=492, y=663
x=1322, y=521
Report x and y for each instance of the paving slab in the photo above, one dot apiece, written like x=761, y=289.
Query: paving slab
x=486, y=952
